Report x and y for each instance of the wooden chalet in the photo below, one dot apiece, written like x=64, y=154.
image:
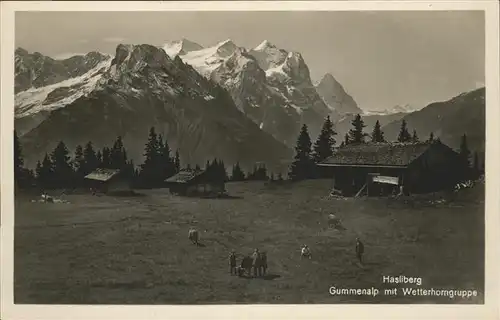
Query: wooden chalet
x=383, y=168
x=190, y=182
x=107, y=181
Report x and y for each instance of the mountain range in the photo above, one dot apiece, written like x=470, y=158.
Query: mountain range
x=270, y=85
x=222, y=101
x=448, y=120
x=142, y=87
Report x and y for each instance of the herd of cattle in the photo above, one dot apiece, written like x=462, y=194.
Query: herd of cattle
x=257, y=261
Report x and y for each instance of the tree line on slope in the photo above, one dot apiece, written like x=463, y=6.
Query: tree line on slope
x=307, y=155
x=58, y=169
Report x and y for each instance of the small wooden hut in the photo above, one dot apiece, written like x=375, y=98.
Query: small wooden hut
x=190, y=182
x=108, y=181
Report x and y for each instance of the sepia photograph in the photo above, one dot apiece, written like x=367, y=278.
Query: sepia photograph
x=215, y=157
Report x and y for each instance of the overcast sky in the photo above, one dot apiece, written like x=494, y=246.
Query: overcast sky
x=381, y=58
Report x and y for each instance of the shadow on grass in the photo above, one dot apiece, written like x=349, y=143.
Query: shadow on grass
x=201, y=245
x=269, y=276
x=126, y=194
x=224, y=196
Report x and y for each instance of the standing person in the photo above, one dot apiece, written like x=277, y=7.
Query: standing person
x=232, y=262
x=255, y=261
x=360, y=249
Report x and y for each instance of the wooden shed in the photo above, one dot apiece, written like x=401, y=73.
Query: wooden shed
x=383, y=168
x=108, y=181
x=190, y=182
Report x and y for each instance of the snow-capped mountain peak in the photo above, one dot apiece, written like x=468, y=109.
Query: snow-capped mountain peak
x=206, y=60
x=181, y=47
x=226, y=48
x=264, y=45
x=335, y=96
x=60, y=94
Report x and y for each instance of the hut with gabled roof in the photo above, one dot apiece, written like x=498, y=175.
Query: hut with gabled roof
x=108, y=181
x=189, y=182
x=381, y=168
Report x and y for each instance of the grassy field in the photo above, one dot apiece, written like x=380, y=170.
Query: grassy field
x=135, y=250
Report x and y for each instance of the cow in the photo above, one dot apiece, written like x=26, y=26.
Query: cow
x=333, y=221
x=193, y=236
x=305, y=252
x=47, y=198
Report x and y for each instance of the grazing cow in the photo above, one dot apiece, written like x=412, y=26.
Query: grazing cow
x=193, y=236
x=305, y=252
x=245, y=266
x=333, y=221
x=47, y=198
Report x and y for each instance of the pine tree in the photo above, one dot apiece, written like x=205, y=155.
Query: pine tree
x=261, y=173
x=79, y=165
x=118, y=155
x=464, y=152
x=62, y=169
x=149, y=169
x=129, y=170
x=377, y=134
x=106, y=157
x=222, y=171
x=38, y=174
x=99, y=158
x=404, y=135
x=22, y=176
x=177, y=162
x=38, y=169
x=167, y=163
x=414, y=138
x=18, y=160
x=44, y=173
x=323, y=147
x=356, y=134
x=253, y=173
x=237, y=173
x=90, y=158
x=302, y=166
x=431, y=137
x=217, y=171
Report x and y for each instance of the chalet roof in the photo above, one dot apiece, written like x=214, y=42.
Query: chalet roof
x=377, y=154
x=102, y=174
x=184, y=176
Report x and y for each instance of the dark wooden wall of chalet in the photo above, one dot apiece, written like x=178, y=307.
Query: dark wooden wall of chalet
x=437, y=169
x=351, y=179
